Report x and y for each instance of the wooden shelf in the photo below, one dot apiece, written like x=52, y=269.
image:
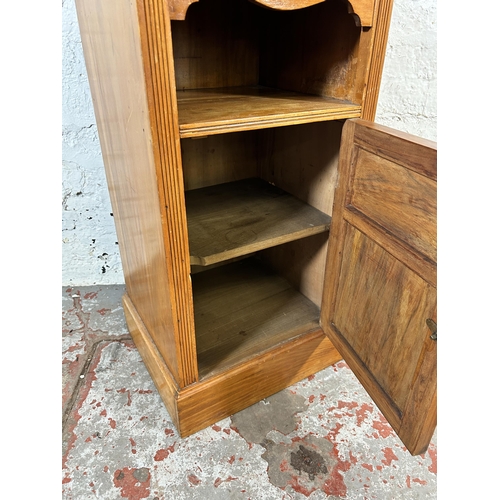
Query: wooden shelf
x=237, y=218
x=243, y=309
x=217, y=111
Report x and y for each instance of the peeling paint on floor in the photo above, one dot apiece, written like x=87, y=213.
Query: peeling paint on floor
x=89, y=315
x=322, y=438
x=304, y=466
x=278, y=412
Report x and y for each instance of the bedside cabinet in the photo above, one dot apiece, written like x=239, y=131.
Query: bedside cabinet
x=267, y=227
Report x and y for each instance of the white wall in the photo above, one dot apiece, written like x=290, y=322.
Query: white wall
x=89, y=253
x=407, y=101
x=408, y=92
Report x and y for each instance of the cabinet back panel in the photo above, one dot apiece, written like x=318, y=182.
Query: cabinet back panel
x=312, y=50
x=216, y=45
x=231, y=43
x=217, y=159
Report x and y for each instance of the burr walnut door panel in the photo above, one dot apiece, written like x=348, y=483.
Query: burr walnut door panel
x=379, y=304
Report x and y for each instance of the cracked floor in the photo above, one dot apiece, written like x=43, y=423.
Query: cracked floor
x=322, y=438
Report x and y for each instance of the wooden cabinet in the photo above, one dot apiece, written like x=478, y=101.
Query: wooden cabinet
x=221, y=124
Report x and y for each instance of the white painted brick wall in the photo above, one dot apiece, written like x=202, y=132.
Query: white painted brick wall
x=407, y=102
x=90, y=253
x=408, y=92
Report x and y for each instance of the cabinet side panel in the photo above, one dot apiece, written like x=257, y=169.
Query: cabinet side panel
x=303, y=161
x=158, y=59
x=112, y=48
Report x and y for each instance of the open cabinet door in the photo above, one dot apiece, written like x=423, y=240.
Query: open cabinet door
x=379, y=303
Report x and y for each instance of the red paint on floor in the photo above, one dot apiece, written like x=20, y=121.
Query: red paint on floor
x=219, y=481
x=163, y=453
x=194, y=479
x=383, y=428
x=419, y=481
x=130, y=487
x=335, y=486
x=389, y=456
x=75, y=415
x=357, y=421
x=300, y=488
x=433, y=455
x=362, y=412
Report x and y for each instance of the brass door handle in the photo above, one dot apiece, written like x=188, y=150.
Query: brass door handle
x=433, y=328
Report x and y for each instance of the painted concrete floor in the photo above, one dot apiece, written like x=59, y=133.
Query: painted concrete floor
x=321, y=438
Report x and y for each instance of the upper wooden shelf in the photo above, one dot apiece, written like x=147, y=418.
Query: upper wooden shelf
x=218, y=111
x=238, y=218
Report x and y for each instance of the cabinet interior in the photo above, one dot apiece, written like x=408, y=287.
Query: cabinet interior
x=240, y=66
x=261, y=96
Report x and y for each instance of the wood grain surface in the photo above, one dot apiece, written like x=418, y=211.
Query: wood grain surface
x=217, y=111
x=397, y=198
x=362, y=8
x=217, y=45
x=158, y=70
x=373, y=45
x=217, y=397
x=390, y=306
x=112, y=47
x=320, y=50
x=217, y=159
x=302, y=160
x=381, y=274
x=238, y=218
x=162, y=377
x=312, y=51
x=243, y=309
x=231, y=92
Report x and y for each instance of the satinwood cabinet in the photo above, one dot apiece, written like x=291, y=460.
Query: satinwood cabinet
x=267, y=228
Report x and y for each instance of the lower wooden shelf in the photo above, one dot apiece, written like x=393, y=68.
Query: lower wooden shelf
x=243, y=309
x=237, y=218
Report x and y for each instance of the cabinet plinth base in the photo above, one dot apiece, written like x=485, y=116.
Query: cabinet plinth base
x=203, y=403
